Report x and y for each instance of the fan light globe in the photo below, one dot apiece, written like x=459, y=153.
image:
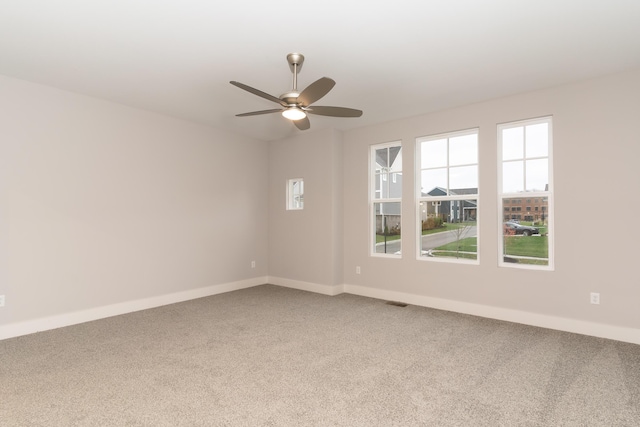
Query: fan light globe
x=294, y=113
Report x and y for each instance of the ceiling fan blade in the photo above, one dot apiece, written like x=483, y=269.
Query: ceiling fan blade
x=259, y=93
x=334, y=111
x=302, y=124
x=256, y=113
x=315, y=91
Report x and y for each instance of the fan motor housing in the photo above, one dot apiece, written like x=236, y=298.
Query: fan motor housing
x=290, y=97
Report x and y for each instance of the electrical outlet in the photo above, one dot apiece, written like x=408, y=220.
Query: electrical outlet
x=358, y=270
x=595, y=298
x=253, y=264
x=1, y=300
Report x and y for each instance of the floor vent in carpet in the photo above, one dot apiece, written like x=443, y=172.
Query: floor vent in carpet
x=397, y=304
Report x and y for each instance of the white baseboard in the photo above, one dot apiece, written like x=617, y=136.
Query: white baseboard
x=307, y=286
x=618, y=333
x=67, y=319
x=600, y=330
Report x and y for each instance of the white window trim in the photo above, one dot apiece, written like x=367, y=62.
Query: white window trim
x=373, y=200
x=419, y=198
x=549, y=194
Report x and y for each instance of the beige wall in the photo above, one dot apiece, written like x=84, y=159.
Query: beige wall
x=305, y=246
x=103, y=204
x=596, y=152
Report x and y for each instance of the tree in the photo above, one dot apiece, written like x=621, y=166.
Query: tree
x=460, y=232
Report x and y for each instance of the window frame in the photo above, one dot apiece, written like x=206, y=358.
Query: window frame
x=546, y=195
x=373, y=200
x=447, y=198
x=291, y=193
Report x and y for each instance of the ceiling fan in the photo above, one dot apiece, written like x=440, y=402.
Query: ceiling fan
x=296, y=105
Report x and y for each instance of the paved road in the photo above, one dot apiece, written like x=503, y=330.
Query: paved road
x=429, y=241
x=392, y=247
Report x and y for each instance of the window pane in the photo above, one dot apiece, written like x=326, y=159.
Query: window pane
x=295, y=194
x=433, y=153
x=434, y=182
x=298, y=194
x=537, y=175
x=395, y=185
x=382, y=159
x=377, y=183
x=513, y=143
x=513, y=177
x=525, y=239
x=381, y=185
x=395, y=159
x=448, y=229
x=463, y=150
x=387, y=227
x=464, y=177
x=538, y=140
x=449, y=168
x=386, y=186
x=432, y=209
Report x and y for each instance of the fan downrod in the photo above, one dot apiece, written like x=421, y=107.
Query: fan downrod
x=295, y=61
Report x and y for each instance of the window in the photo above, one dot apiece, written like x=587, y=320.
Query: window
x=295, y=194
x=385, y=200
x=447, y=196
x=525, y=166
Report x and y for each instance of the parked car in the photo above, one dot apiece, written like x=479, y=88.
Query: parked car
x=514, y=228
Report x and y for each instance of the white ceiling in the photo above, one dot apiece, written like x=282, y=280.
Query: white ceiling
x=391, y=59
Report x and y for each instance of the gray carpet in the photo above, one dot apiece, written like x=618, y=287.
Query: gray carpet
x=271, y=356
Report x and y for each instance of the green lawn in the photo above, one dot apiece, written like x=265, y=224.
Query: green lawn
x=532, y=246
x=453, y=249
x=380, y=238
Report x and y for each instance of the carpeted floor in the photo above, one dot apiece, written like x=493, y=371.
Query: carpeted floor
x=271, y=356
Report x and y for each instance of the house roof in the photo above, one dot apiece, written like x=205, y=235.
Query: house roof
x=440, y=191
x=386, y=158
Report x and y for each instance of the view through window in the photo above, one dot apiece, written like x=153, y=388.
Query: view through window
x=526, y=197
x=295, y=194
x=386, y=196
x=447, y=186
